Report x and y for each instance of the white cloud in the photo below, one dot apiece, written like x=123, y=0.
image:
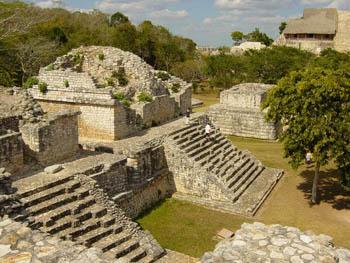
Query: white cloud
x=45, y=4
x=168, y=14
x=341, y=4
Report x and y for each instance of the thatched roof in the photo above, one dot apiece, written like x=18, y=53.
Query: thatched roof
x=314, y=21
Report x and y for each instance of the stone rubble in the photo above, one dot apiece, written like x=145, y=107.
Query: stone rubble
x=261, y=243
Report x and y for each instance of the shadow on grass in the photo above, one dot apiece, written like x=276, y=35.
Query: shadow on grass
x=329, y=188
x=149, y=210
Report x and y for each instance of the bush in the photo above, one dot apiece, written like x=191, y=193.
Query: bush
x=101, y=56
x=31, y=81
x=119, y=96
x=145, y=97
x=175, y=87
x=126, y=102
x=50, y=67
x=120, y=75
x=163, y=75
x=66, y=83
x=43, y=87
x=110, y=82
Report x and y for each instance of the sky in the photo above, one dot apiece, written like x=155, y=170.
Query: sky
x=207, y=22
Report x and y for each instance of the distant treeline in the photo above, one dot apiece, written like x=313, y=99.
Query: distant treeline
x=32, y=37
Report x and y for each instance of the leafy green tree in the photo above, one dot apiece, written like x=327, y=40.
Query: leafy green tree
x=237, y=36
x=282, y=27
x=189, y=70
x=257, y=36
x=314, y=105
x=118, y=18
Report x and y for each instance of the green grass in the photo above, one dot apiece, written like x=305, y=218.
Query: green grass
x=187, y=228
x=208, y=100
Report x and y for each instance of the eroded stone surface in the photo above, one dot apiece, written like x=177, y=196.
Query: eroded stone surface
x=278, y=245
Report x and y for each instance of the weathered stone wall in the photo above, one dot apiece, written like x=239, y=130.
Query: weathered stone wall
x=57, y=78
x=239, y=112
x=261, y=243
x=54, y=140
x=11, y=151
x=160, y=110
x=241, y=122
x=184, y=99
x=342, y=38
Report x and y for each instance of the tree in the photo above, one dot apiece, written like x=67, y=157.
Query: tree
x=257, y=36
x=237, y=36
x=189, y=70
x=118, y=18
x=282, y=27
x=314, y=105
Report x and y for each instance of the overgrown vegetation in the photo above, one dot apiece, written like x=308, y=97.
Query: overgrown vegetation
x=175, y=87
x=42, y=87
x=31, y=82
x=66, y=83
x=163, y=75
x=145, y=97
x=120, y=96
x=121, y=77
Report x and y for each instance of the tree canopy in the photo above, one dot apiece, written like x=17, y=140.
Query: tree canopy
x=237, y=36
x=313, y=105
x=282, y=27
x=257, y=36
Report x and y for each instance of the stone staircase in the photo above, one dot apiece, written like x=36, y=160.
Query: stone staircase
x=65, y=208
x=231, y=170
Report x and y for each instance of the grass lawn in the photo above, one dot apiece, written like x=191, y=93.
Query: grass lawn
x=208, y=100
x=190, y=229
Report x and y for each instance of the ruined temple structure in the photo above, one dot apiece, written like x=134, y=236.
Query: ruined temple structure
x=239, y=112
x=317, y=30
x=105, y=85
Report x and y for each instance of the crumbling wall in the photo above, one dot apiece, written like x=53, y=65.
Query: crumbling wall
x=11, y=150
x=53, y=140
x=9, y=123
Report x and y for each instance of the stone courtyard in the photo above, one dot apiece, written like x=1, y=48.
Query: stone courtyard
x=79, y=162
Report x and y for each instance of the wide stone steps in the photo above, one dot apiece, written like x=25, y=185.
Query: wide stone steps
x=235, y=170
x=66, y=209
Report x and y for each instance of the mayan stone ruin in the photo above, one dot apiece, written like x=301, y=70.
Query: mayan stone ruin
x=239, y=112
x=83, y=157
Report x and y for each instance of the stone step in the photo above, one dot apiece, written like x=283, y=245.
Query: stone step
x=112, y=241
x=239, y=174
x=176, y=132
x=198, y=147
x=231, y=174
x=147, y=259
x=209, y=151
x=188, y=140
x=57, y=202
x=93, y=236
x=228, y=164
x=219, y=158
x=50, y=193
x=48, y=218
x=136, y=255
x=80, y=228
x=125, y=248
x=45, y=187
x=185, y=132
x=245, y=177
x=248, y=182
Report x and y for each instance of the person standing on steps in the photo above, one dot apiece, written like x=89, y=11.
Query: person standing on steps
x=187, y=116
x=207, y=130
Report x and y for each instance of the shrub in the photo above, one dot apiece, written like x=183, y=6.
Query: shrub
x=31, y=81
x=43, y=87
x=145, y=97
x=119, y=96
x=126, y=102
x=175, y=87
x=66, y=83
x=100, y=86
x=163, y=75
x=50, y=67
x=78, y=59
x=101, y=56
x=110, y=82
x=120, y=75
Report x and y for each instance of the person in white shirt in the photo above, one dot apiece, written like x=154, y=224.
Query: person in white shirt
x=207, y=131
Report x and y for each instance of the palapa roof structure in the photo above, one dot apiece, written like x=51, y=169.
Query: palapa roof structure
x=314, y=21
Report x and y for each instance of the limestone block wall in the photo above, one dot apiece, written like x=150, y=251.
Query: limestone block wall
x=57, y=78
x=160, y=110
x=242, y=122
x=342, y=38
x=183, y=99
x=315, y=46
x=101, y=117
x=54, y=140
x=11, y=151
x=191, y=179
